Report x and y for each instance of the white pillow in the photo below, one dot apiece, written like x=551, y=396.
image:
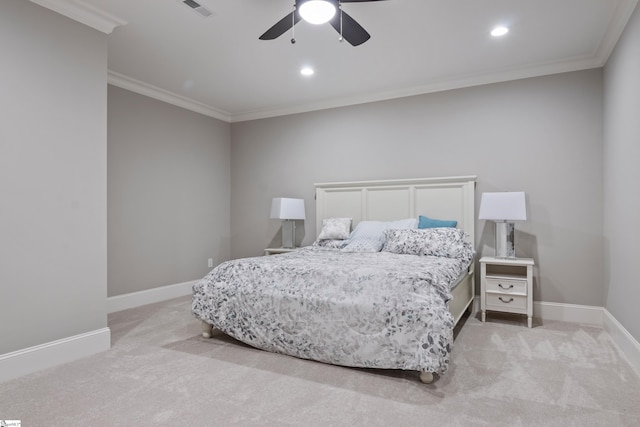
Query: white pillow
x=374, y=230
x=335, y=229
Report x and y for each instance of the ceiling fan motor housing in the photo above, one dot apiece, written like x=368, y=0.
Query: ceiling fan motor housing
x=342, y=22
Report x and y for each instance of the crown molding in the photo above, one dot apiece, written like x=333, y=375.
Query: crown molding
x=105, y=22
x=84, y=13
x=577, y=64
x=137, y=86
x=459, y=82
x=615, y=29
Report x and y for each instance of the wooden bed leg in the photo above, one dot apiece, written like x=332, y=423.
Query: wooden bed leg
x=426, y=377
x=206, y=329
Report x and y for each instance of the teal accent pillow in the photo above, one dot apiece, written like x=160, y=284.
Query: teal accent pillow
x=426, y=222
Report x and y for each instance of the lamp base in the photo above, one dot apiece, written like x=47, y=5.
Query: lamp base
x=288, y=234
x=505, y=240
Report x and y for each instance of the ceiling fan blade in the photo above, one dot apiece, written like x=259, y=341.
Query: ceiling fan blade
x=281, y=26
x=351, y=30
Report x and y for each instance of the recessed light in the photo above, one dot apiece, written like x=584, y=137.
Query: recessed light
x=307, y=71
x=499, y=31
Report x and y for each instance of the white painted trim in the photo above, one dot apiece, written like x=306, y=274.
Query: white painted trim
x=616, y=27
x=627, y=343
x=36, y=358
x=81, y=11
x=461, y=82
x=163, y=95
x=149, y=296
x=454, y=82
x=84, y=13
x=590, y=315
x=595, y=59
x=573, y=313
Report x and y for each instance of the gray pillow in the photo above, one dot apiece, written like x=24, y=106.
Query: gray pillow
x=443, y=242
x=335, y=229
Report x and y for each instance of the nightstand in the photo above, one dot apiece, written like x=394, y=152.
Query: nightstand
x=506, y=285
x=275, y=251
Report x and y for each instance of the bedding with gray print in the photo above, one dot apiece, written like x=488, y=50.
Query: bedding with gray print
x=371, y=310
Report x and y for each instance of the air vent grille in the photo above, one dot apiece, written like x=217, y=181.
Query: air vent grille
x=198, y=7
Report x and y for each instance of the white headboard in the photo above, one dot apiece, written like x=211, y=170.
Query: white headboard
x=450, y=198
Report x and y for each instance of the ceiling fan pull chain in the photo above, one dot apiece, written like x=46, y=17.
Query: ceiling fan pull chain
x=293, y=25
x=340, y=7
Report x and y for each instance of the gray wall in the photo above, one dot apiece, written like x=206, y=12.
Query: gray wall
x=541, y=135
x=53, y=177
x=621, y=177
x=168, y=193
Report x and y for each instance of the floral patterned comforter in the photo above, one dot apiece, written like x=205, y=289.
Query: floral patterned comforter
x=373, y=310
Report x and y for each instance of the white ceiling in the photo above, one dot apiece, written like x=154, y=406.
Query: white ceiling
x=217, y=65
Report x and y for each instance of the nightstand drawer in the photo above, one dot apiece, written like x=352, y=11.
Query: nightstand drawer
x=505, y=302
x=506, y=286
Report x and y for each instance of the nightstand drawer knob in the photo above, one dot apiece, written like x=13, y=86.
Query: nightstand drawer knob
x=505, y=287
x=506, y=302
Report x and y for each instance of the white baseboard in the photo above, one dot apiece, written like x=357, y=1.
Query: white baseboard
x=36, y=358
x=595, y=316
x=573, y=313
x=149, y=296
x=32, y=359
x=586, y=314
x=627, y=343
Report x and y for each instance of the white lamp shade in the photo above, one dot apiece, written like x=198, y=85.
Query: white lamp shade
x=317, y=11
x=504, y=206
x=283, y=208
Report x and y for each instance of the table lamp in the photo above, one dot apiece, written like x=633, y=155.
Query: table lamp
x=288, y=210
x=504, y=208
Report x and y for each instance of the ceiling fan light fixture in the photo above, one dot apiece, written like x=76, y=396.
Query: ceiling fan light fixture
x=317, y=11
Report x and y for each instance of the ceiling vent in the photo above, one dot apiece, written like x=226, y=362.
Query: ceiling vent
x=198, y=8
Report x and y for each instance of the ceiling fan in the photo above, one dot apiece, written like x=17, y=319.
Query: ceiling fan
x=320, y=12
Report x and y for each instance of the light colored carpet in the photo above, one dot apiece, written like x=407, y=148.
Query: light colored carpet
x=160, y=372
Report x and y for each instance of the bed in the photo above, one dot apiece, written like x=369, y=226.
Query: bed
x=393, y=306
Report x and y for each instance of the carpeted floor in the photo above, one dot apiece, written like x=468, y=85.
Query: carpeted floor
x=160, y=372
